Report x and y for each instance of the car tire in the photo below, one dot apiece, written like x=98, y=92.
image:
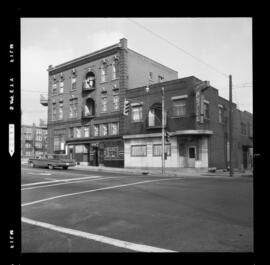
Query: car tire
x=32, y=164
x=50, y=166
x=65, y=167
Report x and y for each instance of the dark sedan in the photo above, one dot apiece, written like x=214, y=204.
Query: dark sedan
x=52, y=161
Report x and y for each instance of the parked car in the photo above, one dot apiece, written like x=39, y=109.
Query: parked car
x=51, y=161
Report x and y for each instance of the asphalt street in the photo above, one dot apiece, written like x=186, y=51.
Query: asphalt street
x=84, y=211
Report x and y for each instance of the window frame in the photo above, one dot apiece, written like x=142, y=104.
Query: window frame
x=134, y=146
x=140, y=107
x=157, y=145
x=178, y=108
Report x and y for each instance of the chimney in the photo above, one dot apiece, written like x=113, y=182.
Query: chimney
x=123, y=43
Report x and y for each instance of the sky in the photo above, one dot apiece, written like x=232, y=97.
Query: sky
x=223, y=43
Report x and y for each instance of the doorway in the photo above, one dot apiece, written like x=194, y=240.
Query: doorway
x=191, y=156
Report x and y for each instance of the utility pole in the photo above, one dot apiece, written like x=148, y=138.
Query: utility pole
x=163, y=133
x=230, y=125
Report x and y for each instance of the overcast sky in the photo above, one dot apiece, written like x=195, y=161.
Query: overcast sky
x=224, y=43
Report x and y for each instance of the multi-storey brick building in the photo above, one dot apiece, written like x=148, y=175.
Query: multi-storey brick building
x=197, y=122
x=33, y=140
x=85, y=102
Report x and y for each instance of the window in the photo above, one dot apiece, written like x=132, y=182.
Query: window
x=138, y=150
x=115, y=69
x=206, y=110
x=89, y=82
x=116, y=102
x=160, y=78
x=157, y=149
x=96, y=130
x=60, y=110
x=86, y=131
x=59, y=143
x=54, y=111
x=73, y=108
x=73, y=83
x=151, y=76
x=103, y=72
x=38, y=145
x=71, y=132
x=220, y=115
x=38, y=138
x=104, y=129
x=151, y=117
x=104, y=104
x=136, y=113
x=61, y=87
x=77, y=132
x=111, y=152
x=80, y=149
x=114, y=128
x=179, y=107
x=243, y=128
x=54, y=88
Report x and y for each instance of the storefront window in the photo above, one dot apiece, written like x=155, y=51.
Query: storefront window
x=138, y=150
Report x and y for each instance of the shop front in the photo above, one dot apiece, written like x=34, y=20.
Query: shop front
x=106, y=152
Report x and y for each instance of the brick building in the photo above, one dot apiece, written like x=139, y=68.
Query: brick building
x=197, y=122
x=33, y=140
x=85, y=102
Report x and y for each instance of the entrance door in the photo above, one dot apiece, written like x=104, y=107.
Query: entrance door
x=71, y=154
x=95, y=157
x=191, y=156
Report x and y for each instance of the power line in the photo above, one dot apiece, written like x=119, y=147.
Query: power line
x=179, y=48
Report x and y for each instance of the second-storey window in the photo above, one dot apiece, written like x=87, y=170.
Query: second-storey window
x=86, y=131
x=104, y=104
x=96, y=130
x=73, y=108
x=114, y=128
x=136, y=113
x=206, y=110
x=179, y=107
x=220, y=115
x=104, y=129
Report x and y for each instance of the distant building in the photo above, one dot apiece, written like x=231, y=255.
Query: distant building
x=197, y=122
x=85, y=102
x=33, y=140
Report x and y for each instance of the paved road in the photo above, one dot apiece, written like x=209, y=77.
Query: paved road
x=82, y=211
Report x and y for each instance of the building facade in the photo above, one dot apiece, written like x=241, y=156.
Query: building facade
x=34, y=140
x=196, y=122
x=85, y=102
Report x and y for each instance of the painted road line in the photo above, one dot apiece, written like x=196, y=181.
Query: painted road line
x=40, y=174
x=58, y=180
x=54, y=172
x=98, y=238
x=67, y=182
x=88, y=191
x=50, y=179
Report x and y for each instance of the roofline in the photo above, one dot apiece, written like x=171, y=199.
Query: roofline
x=89, y=55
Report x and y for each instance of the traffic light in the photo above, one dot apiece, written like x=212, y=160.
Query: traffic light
x=126, y=107
x=167, y=136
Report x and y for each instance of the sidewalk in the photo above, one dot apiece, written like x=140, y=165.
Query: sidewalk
x=183, y=172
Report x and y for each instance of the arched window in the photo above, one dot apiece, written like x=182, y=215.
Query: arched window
x=103, y=72
x=89, y=107
x=115, y=68
x=90, y=80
